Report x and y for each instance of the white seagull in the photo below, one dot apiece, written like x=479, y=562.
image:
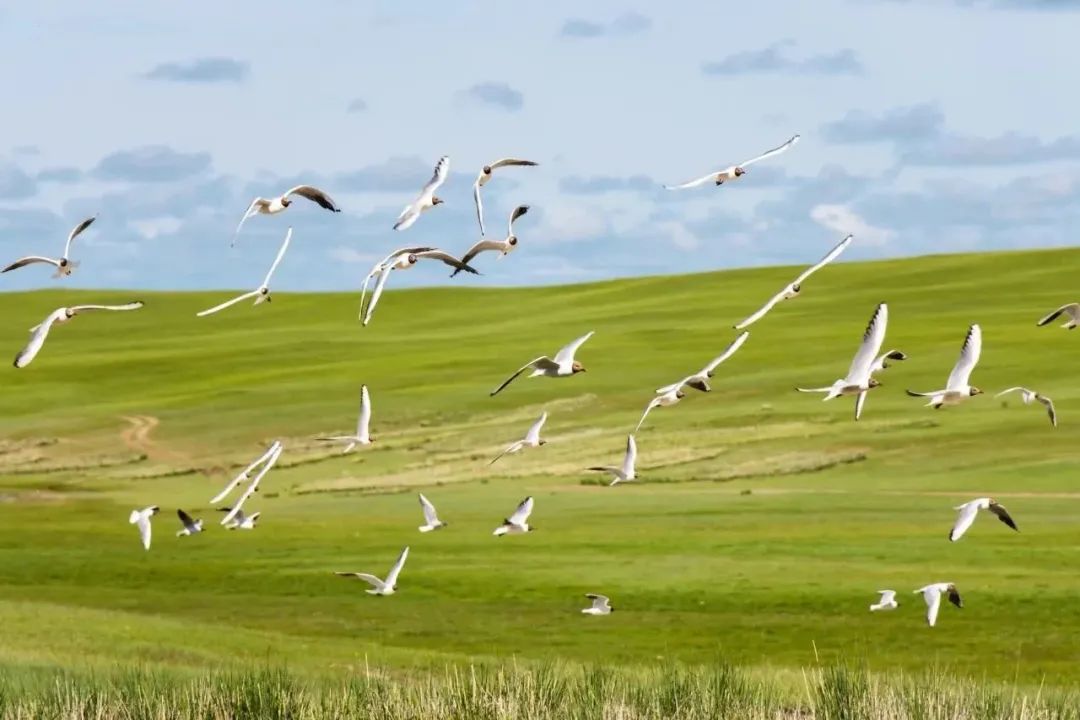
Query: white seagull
x=381, y=587
x=363, y=425
x=667, y=399
x=141, y=518
x=1030, y=396
x=600, y=605
x=970, y=510
x=483, y=178
x=252, y=487
x=246, y=474
x=932, y=595
x=273, y=206
x=58, y=317
x=792, y=289
x=402, y=259
x=879, y=366
x=1070, y=310
x=700, y=380
x=626, y=472
x=518, y=522
x=564, y=364
x=64, y=265
x=261, y=293
x=503, y=247
x=191, y=526
x=858, y=379
x=431, y=518
x=887, y=601
x=734, y=171
x=532, y=439
x=426, y=199
x=958, y=387
x=240, y=521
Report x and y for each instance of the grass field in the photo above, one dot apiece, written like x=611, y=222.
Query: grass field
x=764, y=522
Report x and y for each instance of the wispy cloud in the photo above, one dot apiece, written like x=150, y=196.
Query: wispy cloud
x=357, y=105
x=600, y=184
x=774, y=59
x=15, y=183
x=842, y=219
x=152, y=163
x=60, y=175
x=201, y=70
x=911, y=122
x=1012, y=148
x=395, y=174
x=626, y=24
x=495, y=94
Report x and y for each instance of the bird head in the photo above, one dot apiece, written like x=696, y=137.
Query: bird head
x=680, y=394
x=285, y=202
x=436, y=201
x=577, y=367
x=63, y=262
x=412, y=259
x=486, y=170
x=739, y=172
x=874, y=382
x=511, y=241
x=542, y=442
x=974, y=391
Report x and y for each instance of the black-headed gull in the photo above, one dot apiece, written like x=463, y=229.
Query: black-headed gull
x=970, y=510
x=431, y=518
x=625, y=472
x=531, y=440
x=1030, y=396
x=381, y=587
x=240, y=521
x=246, y=474
x=191, y=526
x=141, y=518
x=503, y=247
x=858, y=379
x=932, y=595
x=880, y=365
x=793, y=288
x=700, y=380
x=483, y=178
x=273, y=206
x=426, y=199
x=1070, y=310
x=564, y=364
x=887, y=601
x=667, y=399
x=600, y=605
x=363, y=425
x=64, y=264
x=734, y=171
x=402, y=259
x=958, y=387
x=57, y=317
x=253, y=486
x=517, y=523
x=261, y=293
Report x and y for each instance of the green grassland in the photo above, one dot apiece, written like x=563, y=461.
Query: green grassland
x=764, y=522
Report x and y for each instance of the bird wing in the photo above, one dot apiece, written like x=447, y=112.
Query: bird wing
x=30, y=260
x=737, y=343
x=829, y=257
x=968, y=513
x=692, y=183
x=1050, y=410
x=137, y=304
x=1012, y=389
x=1003, y=515
x=933, y=604
x=315, y=195
x=566, y=355
x=860, y=403
x=954, y=597
x=533, y=435
x=511, y=162
x=227, y=303
x=277, y=260
x=479, y=203
x=37, y=339
x=527, y=366
x=1070, y=308
x=184, y=518
x=514, y=215
x=442, y=169
x=76, y=231
x=873, y=336
x=655, y=402
x=598, y=601
x=143, y=523
x=760, y=313
x=430, y=516
x=363, y=424
x=247, y=213
x=443, y=256
x=408, y=216
x=244, y=475
x=366, y=577
x=521, y=514
x=391, y=578
x=376, y=294
x=969, y=358
x=769, y=153
x=630, y=459
x=887, y=596
x=512, y=448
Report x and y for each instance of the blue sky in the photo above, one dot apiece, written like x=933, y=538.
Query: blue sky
x=927, y=126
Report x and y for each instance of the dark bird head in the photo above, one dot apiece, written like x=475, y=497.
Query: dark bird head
x=436, y=201
x=974, y=391
x=874, y=382
x=512, y=240
x=63, y=262
x=412, y=259
x=577, y=367
x=543, y=442
x=739, y=172
x=796, y=288
x=680, y=394
x=285, y=202
x=487, y=170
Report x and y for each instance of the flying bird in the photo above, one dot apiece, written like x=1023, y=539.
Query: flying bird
x=381, y=587
x=426, y=199
x=932, y=595
x=564, y=364
x=141, y=518
x=792, y=289
x=700, y=380
x=252, y=487
x=667, y=399
x=518, y=522
x=240, y=521
x=191, y=526
x=958, y=387
x=64, y=264
x=402, y=259
x=970, y=510
x=57, y=317
x=483, y=178
x=625, y=472
x=503, y=247
x=273, y=206
x=1030, y=396
x=734, y=171
x=879, y=365
x=363, y=424
x=246, y=474
x=600, y=605
x=431, y=518
x=1071, y=310
x=887, y=601
x=531, y=440
x=858, y=379
x=261, y=293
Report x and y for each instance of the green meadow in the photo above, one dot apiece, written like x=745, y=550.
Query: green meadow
x=762, y=526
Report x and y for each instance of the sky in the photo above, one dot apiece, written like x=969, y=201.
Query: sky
x=926, y=126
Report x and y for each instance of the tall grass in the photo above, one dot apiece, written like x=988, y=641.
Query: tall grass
x=545, y=692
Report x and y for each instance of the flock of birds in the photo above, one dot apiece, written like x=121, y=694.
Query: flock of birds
x=860, y=378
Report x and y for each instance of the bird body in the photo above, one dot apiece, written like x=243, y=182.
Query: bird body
x=1070, y=310
x=887, y=601
x=958, y=387
x=191, y=526
x=431, y=518
x=426, y=199
x=503, y=247
x=381, y=587
x=141, y=519
x=64, y=264
x=859, y=379
x=40, y=332
x=518, y=523
x=627, y=471
x=970, y=510
x=733, y=172
x=279, y=204
x=402, y=259
x=245, y=475
x=601, y=605
x=531, y=440
x=700, y=380
x=564, y=364
x=261, y=293
x=932, y=596
x=363, y=425
x=235, y=511
x=485, y=176
x=667, y=399
x=1030, y=396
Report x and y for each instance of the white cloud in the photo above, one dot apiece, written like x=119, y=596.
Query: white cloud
x=843, y=219
x=352, y=257
x=569, y=223
x=154, y=227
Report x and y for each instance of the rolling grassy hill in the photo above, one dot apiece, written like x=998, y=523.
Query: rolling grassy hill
x=764, y=522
